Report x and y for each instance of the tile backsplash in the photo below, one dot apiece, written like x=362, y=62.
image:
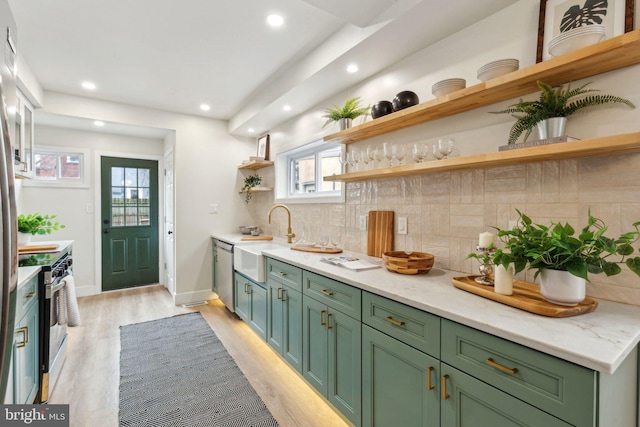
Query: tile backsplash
x=446, y=211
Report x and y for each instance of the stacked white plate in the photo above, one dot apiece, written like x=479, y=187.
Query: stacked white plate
x=576, y=38
x=497, y=68
x=447, y=86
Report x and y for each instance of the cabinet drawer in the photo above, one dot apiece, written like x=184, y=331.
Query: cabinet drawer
x=284, y=273
x=26, y=296
x=334, y=294
x=414, y=327
x=561, y=388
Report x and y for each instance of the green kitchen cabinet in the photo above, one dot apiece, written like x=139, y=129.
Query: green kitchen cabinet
x=400, y=384
x=332, y=340
x=251, y=303
x=26, y=372
x=284, y=328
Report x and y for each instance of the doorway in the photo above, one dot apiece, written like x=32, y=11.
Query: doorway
x=129, y=213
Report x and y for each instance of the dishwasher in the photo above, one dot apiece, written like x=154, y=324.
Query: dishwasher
x=224, y=271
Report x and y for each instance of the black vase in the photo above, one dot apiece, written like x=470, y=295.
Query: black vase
x=405, y=99
x=381, y=108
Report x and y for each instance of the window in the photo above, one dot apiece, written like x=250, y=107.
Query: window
x=58, y=166
x=299, y=174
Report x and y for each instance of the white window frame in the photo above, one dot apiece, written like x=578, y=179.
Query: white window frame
x=85, y=168
x=284, y=175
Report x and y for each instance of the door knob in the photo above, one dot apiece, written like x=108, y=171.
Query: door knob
x=169, y=232
x=105, y=231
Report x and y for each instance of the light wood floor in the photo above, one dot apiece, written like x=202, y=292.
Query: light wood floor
x=90, y=376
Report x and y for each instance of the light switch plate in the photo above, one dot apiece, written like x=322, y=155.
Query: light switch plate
x=402, y=225
x=213, y=208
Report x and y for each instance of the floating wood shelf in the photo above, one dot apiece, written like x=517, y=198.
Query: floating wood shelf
x=612, y=54
x=256, y=164
x=608, y=145
x=258, y=190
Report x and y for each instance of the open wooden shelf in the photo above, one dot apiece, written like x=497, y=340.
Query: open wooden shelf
x=612, y=54
x=607, y=145
x=258, y=190
x=256, y=164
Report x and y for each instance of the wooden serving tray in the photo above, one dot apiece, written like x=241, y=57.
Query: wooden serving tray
x=37, y=248
x=263, y=237
x=526, y=296
x=316, y=249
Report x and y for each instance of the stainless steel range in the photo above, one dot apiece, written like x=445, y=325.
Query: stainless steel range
x=53, y=335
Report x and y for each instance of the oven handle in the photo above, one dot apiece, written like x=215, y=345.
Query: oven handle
x=52, y=289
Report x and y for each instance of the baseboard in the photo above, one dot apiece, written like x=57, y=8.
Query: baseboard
x=85, y=291
x=191, y=297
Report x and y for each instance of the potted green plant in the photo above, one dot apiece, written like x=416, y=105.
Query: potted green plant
x=553, y=103
x=557, y=248
x=345, y=115
x=35, y=223
x=250, y=182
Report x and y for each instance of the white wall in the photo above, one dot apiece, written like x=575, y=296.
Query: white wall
x=205, y=162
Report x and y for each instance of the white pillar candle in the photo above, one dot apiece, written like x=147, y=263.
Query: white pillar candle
x=485, y=239
x=503, y=282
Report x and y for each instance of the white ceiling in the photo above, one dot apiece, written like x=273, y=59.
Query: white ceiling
x=175, y=55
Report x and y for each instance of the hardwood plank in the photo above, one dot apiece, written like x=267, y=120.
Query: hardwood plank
x=89, y=379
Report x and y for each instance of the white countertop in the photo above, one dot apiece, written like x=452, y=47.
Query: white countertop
x=600, y=340
x=26, y=273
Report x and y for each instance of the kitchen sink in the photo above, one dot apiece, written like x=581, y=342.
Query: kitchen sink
x=248, y=258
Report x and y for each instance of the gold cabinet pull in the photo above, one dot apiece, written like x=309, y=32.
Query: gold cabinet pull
x=25, y=336
x=30, y=294
x=445, y=396
x=282, y=273
x=326, y=292
x=329, y=321
x=283, y=294
x=322, y=313
x=429, y=385
x=280, y=294
x=394, y=321
x=511, y=371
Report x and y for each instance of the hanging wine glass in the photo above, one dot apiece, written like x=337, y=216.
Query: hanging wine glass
x=445, y=146
x=388, y=152
x=399, y=151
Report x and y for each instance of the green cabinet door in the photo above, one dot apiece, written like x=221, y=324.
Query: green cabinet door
x=275, y=321
x=469, y=402
x=400, y=385
x=26, y=358
x=258, y=309
x=242, y=300
x=284, y=325
x=315, y=343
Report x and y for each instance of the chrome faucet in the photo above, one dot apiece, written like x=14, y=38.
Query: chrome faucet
x=289, y=234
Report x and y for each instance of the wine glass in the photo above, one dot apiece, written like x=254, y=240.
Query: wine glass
x=323, y=241
x=336, y=240
x=343, y=158
x=364, y=159
x=388, y=152
x=398, y=151
x=437, y=153
x=420, y=152
x=355, y=158
x=445, y=146
x=377, y=153
x=371, y=152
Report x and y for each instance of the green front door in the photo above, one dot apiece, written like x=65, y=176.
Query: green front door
x=129, y=222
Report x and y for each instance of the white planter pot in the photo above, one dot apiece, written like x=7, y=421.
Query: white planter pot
x=561, y=287
x=552, y=128
x=24, y=239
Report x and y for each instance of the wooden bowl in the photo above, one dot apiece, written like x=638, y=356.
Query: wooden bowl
x=404, y=263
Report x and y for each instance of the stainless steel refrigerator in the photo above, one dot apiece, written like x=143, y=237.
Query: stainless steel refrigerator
x=9, y=248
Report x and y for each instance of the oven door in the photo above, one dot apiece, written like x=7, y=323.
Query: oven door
x=55, y=341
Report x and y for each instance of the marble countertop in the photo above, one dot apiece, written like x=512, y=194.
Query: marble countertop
x=26, y=273
x=600, y=340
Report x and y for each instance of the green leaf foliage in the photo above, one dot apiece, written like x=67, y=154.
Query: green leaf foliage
x=350, y=110
x=554, y=102
x=38, y=224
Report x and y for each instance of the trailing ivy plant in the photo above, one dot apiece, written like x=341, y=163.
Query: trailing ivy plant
x=554, y=102
x=250, y=182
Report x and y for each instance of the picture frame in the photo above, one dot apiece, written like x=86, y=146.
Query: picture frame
x=263, y=147
x=617, y=19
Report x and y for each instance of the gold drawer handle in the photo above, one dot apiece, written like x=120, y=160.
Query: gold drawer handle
x=394, y=321
x=280, y=294
x=329, y=321
x=511, y=371
x=282, y=273
x=326, y=292
x=30, y=294
x=322, y=313
x=429, y=385
x=445, y=396
x=25, y=336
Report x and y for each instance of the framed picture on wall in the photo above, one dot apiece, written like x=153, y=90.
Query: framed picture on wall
x=558, y=17
x=263, y=147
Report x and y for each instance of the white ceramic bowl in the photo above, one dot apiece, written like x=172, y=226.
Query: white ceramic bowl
x=447, y=86
x=576, y=39
x=497, y=68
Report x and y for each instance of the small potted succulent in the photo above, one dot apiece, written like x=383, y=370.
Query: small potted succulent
x=35, y=223
x=554, y=248
x=345, y=115
x=551, y=109
x=249, y=183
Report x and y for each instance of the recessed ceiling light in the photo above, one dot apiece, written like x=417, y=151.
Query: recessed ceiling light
x=98, y=123
x=275, y=20
x=89, y=85
x=287, y=108
x=352, y=68
x=251, y=130
x=205, y=107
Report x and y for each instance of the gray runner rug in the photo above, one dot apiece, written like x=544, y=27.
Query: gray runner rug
x=176, y=372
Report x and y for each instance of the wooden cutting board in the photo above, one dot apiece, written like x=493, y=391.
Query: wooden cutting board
x=380, y=233
x=265, y=237
x=37, y=248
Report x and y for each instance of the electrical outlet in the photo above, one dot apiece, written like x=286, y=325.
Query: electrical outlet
x=363, y=222
x=402, y=225
x=213, y=208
